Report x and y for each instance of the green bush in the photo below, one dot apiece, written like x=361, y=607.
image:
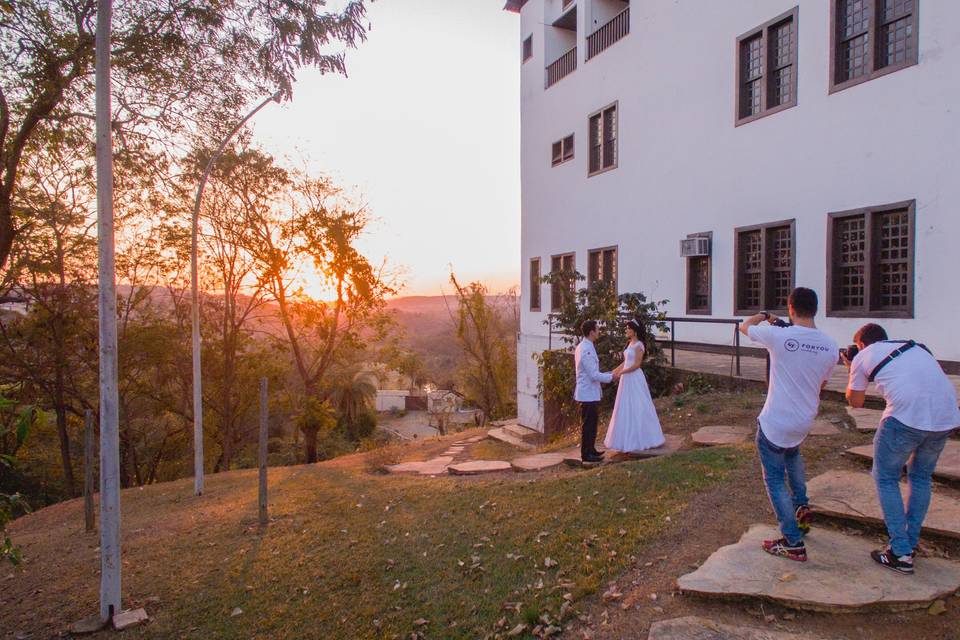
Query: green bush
x=359, y=428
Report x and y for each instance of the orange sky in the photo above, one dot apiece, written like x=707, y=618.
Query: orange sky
x=426, y=131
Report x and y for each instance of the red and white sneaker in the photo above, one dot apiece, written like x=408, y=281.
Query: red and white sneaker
x=784, y=549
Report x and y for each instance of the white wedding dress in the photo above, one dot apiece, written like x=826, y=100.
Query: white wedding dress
x=634, y=425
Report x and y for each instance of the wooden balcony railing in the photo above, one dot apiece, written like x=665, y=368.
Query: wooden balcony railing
x=609, y=33
x=562, y=67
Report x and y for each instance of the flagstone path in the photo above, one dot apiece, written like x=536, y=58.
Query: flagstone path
x=867, y=420
x=948, y=467
x=611, y=456
x=693, y=628
x=852, y=495
x=722, y=435
x=837, y=578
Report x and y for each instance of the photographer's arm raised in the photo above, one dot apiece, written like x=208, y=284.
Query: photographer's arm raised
x=753, y=321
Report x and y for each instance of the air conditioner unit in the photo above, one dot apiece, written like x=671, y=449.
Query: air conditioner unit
x=695, y=247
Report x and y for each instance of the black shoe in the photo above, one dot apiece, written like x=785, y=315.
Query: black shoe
x=783, y=549
x=592, y=459
x=804, y=516
x=886, y=558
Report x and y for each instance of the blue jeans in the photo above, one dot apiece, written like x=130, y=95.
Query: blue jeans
x=781, y=466
x=893, y=446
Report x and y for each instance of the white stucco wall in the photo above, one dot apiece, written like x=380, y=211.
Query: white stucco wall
x=685, y=168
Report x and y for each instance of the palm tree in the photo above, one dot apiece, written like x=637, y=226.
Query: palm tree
x=353, y=393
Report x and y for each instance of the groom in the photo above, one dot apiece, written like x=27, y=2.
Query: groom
x=587, y=392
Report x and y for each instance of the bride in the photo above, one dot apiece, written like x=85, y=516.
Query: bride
x=634, y=425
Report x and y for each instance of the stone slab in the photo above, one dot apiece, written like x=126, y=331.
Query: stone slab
x=519, y=431
x=839, y=577
x=538, y=462
x=948, y=467
x=476, y=439
x=131, y=618
x=430, y=467
x=672, y=444
x=508, y=437
x=693, y=628
x=824, y=428
x=722, y=435
x=477, y=467
x=866, y=420
x=851, y=495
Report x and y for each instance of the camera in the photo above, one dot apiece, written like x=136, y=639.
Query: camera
x=850, y=352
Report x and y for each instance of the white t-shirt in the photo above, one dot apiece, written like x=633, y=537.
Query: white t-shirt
x=918, y=393
x=801, y=360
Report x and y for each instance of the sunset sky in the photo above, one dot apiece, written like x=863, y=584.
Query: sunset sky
x=426, y=130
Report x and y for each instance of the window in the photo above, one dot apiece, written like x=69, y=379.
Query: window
x=528, y=48
x=870, y=261
x=561, y=151
x=765, y=267
x=602, y=266
x=603, y=140
x=871, y=38
x=562, y=269
x=767, y=68
x=700, y=282
x=535, y=284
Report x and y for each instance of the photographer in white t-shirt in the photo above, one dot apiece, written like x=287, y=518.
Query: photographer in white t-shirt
x=801, y=360
x=921, y=412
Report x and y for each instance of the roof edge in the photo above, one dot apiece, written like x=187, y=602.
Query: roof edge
x=514, y=6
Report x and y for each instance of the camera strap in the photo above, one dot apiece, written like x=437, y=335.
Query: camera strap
x=896, y=353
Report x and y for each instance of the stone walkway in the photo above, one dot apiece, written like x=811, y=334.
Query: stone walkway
x=837, y=578
x=948, y=467
x=853, y=496
x=693, y=628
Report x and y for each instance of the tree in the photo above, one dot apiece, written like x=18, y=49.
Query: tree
x=321, y=226
x=14, y=428
x=489, y=346
x=178, y=68
x=352, y=395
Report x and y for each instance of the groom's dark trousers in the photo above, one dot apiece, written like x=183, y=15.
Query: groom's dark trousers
x=589, y=412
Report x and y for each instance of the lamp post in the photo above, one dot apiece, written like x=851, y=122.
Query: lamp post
x=107, y=312
x=195, y=301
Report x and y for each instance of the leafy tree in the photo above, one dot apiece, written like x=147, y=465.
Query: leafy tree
x=489, y=346
x=15, y=427
x=178, y=68
x=352, y=396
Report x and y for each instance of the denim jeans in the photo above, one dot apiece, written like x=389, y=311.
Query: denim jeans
x=893, y=445
x=781, y=466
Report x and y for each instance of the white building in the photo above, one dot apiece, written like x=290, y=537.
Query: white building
x=815, y=142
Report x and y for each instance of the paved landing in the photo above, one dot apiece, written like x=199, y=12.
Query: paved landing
x=948, y=467
x=694, y=628
x=851, y=495
x=722, y=435
x=673, y=444
x=539, y=462
x=823, y=428
x=478, y=467
x=503, y=435
x=432, y=467
x=866, y=420
x=839, y=577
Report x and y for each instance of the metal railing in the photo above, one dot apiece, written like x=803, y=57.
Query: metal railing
x=561, y=67
x=672, y=321
x=608, y=34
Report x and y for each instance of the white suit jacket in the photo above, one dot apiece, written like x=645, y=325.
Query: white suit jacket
x=589, y=376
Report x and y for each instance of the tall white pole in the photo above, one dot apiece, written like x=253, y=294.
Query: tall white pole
x=107, y=304
x=195, y=302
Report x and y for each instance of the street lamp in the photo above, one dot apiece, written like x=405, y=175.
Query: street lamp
x=195, y=301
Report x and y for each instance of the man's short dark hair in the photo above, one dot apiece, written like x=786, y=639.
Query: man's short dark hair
x=804, y=302
x=870, y=333
x=587, y=327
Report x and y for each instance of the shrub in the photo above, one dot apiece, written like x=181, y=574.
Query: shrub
x=362, y=426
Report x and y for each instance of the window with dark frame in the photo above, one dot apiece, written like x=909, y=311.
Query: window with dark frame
x=765, y=267
x=561, y=151
x=603, y=140
x=767, y=68
x=527, y=48
x=535, y=284
x=870, y=261
x=562, y=288
x=602, y=266
x=871, y=38
x=700, y=281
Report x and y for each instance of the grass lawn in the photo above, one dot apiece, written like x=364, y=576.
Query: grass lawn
x=354, y=555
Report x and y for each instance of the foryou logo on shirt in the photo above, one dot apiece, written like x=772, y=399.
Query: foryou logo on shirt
x=791, y=345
